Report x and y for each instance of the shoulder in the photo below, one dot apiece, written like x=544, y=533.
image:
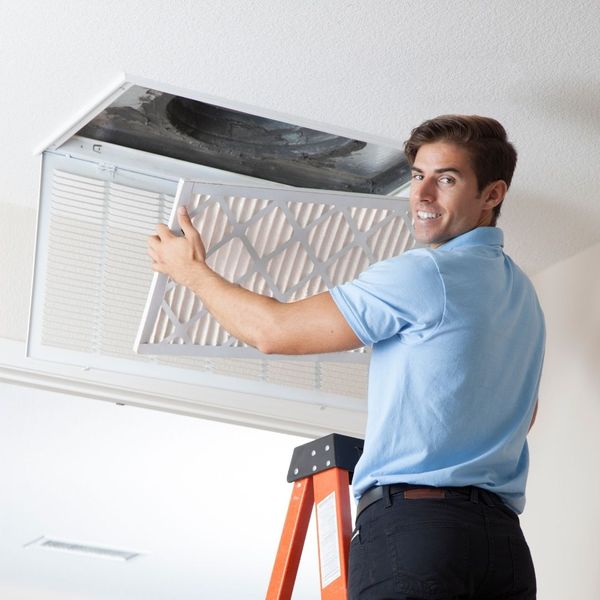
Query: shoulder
x=417, y=265
x=392, y=296
x=410, y=276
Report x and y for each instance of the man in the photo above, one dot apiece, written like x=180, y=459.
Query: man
x=458, y=338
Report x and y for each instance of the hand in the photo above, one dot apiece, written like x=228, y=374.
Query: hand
x=175, y=256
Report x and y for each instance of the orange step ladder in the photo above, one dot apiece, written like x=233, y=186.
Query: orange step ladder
x=321, y=472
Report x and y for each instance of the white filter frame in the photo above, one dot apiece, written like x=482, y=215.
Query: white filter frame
x=369, y=227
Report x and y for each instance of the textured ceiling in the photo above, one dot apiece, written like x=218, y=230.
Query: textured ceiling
x=376, y=67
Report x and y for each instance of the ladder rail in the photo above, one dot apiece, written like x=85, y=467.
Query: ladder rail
x=321, y=474
x=334, y=528
x=292, y=540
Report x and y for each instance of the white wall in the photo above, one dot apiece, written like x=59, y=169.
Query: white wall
x=17, y=235
x=204, y=502
x=562, y=520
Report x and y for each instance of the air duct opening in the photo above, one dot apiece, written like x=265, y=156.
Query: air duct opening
x=246, y=143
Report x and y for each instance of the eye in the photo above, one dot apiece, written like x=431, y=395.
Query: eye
x=417, y=176
x=447, y=180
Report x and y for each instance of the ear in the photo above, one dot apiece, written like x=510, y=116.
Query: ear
x=494, y=193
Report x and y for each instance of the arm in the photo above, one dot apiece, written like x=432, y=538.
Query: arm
x=312, y=325
x=534, y=415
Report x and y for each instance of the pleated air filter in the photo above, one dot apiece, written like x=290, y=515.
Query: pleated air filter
x=288, y=243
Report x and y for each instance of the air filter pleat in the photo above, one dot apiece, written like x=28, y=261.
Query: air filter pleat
x=305, y=213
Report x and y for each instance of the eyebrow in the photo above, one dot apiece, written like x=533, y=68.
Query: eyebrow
x=442, y=170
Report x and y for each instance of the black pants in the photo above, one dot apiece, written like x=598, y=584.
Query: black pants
x=462, y=547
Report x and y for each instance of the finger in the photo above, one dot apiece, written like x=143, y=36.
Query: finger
x=152, y=254
x=185, y=222
x=153, y=240
x=163, y=232
x=158, y=266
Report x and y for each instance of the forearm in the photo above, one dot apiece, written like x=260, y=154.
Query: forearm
x=308, y=326
x=248, y=316
x=312, y=325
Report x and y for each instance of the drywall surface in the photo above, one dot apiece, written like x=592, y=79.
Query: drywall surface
x=17, y=233
x=561, y=520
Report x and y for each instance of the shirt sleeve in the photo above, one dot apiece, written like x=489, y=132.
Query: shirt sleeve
x=403, y=295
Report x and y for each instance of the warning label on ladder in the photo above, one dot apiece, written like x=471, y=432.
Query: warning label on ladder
x=329, y=551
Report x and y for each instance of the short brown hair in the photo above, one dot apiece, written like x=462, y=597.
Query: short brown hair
x=493, y=157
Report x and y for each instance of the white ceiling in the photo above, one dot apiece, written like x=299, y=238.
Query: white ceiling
x=376, y=67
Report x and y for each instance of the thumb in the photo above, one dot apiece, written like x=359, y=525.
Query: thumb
x=190, y=232
x=185, y=222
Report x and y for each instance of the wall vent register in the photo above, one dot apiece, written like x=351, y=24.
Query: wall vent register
x=82, y=549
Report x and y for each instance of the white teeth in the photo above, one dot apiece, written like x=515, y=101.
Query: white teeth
x=427, y=215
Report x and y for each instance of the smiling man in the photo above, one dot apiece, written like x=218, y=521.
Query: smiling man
x=445, y=197
x=457, y=339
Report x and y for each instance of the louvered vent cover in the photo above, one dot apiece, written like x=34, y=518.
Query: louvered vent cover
x=96, y=271
x=287, y=243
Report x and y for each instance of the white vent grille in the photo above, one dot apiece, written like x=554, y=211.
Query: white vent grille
x=82, y=549
x=96, y=271
x=283, y=242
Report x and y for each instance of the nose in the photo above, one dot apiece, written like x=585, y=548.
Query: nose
x=424, y=191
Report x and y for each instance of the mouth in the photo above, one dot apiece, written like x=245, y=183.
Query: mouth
x=426, y=215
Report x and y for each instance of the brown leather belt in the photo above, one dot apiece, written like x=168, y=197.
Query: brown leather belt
x=415, y=492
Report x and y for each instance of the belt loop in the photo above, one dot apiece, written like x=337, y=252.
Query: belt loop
x=387, y=495
x=487, y=498
x=474, y=494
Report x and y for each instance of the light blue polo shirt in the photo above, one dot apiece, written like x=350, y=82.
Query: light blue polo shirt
x=458, y=344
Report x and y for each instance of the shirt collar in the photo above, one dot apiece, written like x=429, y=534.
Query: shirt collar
x=480, y=236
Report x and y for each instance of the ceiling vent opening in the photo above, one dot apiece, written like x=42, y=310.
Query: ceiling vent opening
x=249, y=144
x=114, y=173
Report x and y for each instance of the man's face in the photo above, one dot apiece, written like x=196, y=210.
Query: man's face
x=444, y=200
